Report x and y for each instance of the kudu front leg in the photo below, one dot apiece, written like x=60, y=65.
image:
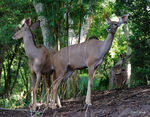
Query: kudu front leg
x=91, y=73
x=35, y=89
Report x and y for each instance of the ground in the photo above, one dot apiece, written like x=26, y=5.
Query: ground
x=133, y=102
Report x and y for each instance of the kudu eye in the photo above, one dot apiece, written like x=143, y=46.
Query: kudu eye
x=116, y=24
x=108, y=29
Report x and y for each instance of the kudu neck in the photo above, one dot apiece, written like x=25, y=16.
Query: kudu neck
x=108, y=42
x=29, y=44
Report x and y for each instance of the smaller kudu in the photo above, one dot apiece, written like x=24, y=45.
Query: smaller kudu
x=40, y=59
x=118, y=73
x=89, y=54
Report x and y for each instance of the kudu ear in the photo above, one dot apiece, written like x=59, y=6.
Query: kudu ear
x=123, y=19
x=108, y=20
x=28, y=21
x=35, y=25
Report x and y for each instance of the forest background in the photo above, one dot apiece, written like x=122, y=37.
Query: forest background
x=66, y=22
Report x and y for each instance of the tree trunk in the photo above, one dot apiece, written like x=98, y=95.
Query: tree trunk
x=85, y=27
x=26, y=82
x=8, y=80
x=1, y=60
x=128, y=53
x=72, y=37
x=17, y=72
x=43, y=23
x=87, y=21
x=57, y=37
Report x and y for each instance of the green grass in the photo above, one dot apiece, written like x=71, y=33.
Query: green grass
x=98, y=84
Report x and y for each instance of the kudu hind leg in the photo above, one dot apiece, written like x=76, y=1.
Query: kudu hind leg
x=67, y=75
x=54, y=92
x=55, y=88
x=91, y=73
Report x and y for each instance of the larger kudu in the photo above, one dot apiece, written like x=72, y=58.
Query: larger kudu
x=89, y=54
x=40, y=59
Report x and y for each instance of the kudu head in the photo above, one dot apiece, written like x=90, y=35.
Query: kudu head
x=123, y=59
x=25, y=26
x=113, y=25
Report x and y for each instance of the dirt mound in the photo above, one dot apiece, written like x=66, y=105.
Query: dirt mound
x=134, y=102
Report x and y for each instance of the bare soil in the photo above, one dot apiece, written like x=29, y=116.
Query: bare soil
x=133, y=102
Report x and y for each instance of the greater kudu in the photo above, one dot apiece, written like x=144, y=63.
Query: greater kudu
x=40, y=59
x=88, y=54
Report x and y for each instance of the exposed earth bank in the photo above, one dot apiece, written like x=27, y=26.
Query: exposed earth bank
x=134, y=102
